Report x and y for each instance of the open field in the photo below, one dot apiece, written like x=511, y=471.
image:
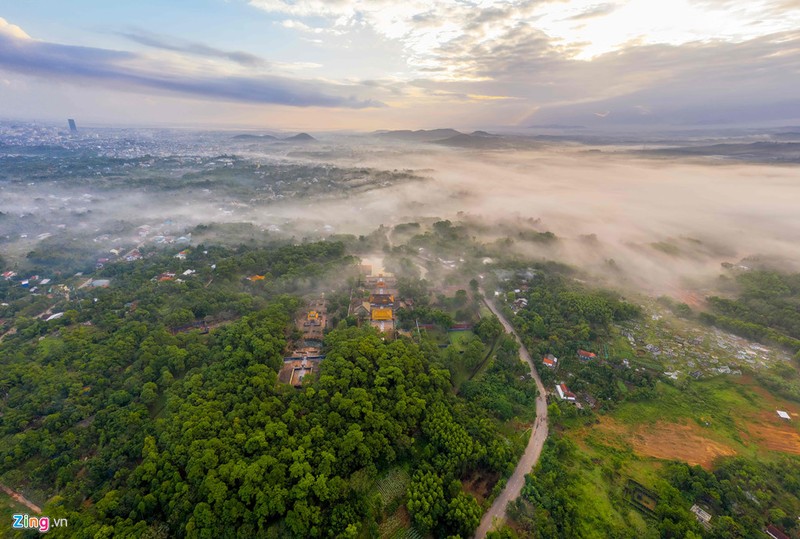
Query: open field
x=460, y=370
x=8, y=507
x=712, y=418
x=668, y=441
x=459, y=338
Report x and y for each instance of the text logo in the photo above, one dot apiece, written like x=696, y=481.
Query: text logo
x=42, y=524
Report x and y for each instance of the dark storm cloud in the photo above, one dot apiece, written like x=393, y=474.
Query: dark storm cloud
x=120, y=70
x=198, y=49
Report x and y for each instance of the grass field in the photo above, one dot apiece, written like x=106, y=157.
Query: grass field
x=459, y=338
x=460, y=372
x=9, y=507
x=706, y=420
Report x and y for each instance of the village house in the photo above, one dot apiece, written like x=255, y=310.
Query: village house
x=774, y=532
x=520, y=303
x=583, y=354
x=564, y=393
x=550, y=361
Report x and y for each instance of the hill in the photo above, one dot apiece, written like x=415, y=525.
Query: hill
x=301, y=137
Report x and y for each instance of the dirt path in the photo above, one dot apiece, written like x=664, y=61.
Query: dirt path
x=8, y=333
x=21, y=499
x=497, y=512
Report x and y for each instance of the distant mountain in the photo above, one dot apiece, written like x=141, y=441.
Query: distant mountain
x=301, y=137
x=420, y=135
x=254, y=137
x=482, y=134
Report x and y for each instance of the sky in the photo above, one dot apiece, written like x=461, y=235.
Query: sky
x=381, y=64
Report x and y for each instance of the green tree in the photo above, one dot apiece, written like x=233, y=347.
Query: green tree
x=426, y=502
x=463, y=514
x=149, y=393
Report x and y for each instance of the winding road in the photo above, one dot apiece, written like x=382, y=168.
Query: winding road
x=497, y=512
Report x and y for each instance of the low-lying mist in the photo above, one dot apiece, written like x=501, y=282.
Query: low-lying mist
x=666, y=224
x=661, y=225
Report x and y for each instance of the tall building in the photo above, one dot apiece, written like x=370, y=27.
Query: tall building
x=72, y=127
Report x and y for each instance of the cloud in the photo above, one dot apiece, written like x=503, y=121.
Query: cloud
x=423, y=27
x=125, y=70
x=697, y=84
x=428, y=29
x=12, y=30
x=594, y=11
x=198, y=49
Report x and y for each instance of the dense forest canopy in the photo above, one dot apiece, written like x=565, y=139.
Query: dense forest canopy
x=130, y=423
x=767, y=308
x=151, y=407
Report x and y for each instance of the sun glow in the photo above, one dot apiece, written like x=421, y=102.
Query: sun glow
x=592, y=29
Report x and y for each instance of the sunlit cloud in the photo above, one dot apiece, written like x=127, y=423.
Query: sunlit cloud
x=645, y=22
x=581, y=29
x=12, y=30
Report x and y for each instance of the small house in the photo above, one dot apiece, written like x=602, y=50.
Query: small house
x=775, y=532
x=550, y=361
x=586, y=356
x=564, y=393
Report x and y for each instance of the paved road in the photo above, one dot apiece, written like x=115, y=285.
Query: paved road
x=497, y=512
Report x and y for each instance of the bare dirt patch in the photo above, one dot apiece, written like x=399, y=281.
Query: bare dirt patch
x=480, y=485
x=764, y=428
x=776, y=437
x=669, y=441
